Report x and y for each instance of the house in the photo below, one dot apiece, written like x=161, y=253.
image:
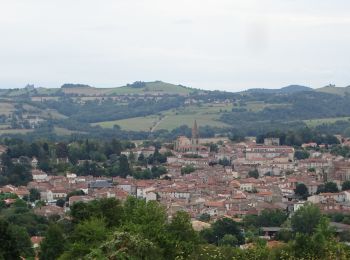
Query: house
x=34, y=162
x=39, y=175
x=83, y=198
x=49, y=210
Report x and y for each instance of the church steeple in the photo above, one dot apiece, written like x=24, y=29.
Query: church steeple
x=195, y=130
x=195, y=135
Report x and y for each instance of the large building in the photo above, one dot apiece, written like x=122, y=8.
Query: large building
x=263, y=154
x=190, y=145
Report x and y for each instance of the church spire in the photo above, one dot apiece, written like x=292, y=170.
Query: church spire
x=195, y=130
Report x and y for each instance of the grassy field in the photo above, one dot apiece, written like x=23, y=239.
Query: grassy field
x=320, y=121
x=170, y=119
x=334, y=90
x=63, y=131
x=135, y=124
x=15, y=131
x=6, y=108
x=256, y=106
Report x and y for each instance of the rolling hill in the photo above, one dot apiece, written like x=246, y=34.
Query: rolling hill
x=136, y=88
x=162, y=109
x=285, y=90
x=331, y=89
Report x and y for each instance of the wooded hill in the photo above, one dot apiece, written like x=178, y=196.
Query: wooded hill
x=143, y=110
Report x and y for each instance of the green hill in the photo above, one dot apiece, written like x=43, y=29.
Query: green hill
x=156, y=87
x=136, y=88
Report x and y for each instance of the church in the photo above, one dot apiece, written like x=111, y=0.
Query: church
x=190, y=145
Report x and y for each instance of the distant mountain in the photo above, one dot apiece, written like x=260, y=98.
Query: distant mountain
x=285, y=90
x=332, y=89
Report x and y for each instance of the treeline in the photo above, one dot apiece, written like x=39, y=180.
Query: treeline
x=136, y=229
x=83, y=157
x=108, y=109
x=300, y=136
x=292, y=107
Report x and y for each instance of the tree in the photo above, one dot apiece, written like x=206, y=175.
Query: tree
x=8, y=243
x=52, y=245
x=306, y=219
x=220, y=228
x=86, y=236
x=34, y=195
x=124, y=167
x=228, y=240
x=253, y=174
x=125, y=245
x=205, y=217
x=272, y=218
x=60, y=203
x=182, y=235
x=301, y=154
x=23, y=241
x=301, y=190
x=187, y=169
x=345, y=185
x=331, y=187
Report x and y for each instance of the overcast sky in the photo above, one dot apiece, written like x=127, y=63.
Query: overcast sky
x=210, y=44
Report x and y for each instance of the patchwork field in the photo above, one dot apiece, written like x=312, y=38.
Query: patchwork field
x=320, y=121
x=15, y=131
x=170, y=119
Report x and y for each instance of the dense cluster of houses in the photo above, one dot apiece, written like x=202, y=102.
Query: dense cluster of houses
x=214, y=189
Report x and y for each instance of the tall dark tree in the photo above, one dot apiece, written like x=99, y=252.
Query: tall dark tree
x=301, y=190
x=53, y=244
x=345, y=185
x=8, y=243
x=124, y=167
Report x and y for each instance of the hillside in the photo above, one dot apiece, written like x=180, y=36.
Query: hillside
x=136, y=88
x=331, y=89
x=164, y=110
x=285, y=90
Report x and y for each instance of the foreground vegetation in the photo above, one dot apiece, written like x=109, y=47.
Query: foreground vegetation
x=109, y=229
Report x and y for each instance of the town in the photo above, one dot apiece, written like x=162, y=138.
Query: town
x=207, y=178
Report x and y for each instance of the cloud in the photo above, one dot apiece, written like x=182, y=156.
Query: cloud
x=227, y=44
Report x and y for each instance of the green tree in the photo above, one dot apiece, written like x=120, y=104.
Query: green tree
x=228, y=240
x=85, y=237
x=187, y=169
x=301, y=154
x=182, y=235
x=345, y=185
x=253, y=174
x=205, y=217
x=125, y=245
x=60, y=203
x=34, y=195
x=23, y=241
x=52, y=245
x=220, y=228
x=301, y=190
x=331, y=187
x=124, y=167
x=306, y=219
x=8, y=243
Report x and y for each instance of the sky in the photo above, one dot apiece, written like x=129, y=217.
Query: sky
x=210, y=44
